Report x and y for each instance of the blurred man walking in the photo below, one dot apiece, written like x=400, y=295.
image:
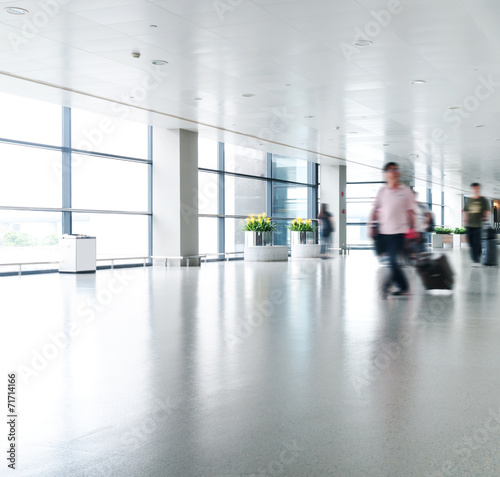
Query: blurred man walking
x=394, y=211
x=476, y=210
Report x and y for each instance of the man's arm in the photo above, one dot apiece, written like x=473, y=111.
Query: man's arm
x=373, y=216
x=411, y=218
x=486, y=211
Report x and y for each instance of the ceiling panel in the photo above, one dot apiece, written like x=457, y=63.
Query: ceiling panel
x=297, y=58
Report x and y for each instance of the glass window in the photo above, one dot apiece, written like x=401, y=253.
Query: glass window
x=245, y=196
x=208, y=193
x=357, y=191
x=245, y=160
x=436, y=212
x=288, y=169
x=117, y=235
x=207, y=153
x=289, y=200
x=30, y=177
x=358, y=211
x=110, y=135
x=25, y=119
x=208, y=232
x=358, y=235
x=235, y=235
x=282, y=234
x=109, y=184
x=29, y=236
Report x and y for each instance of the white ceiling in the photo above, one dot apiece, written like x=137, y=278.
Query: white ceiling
x=297, y=58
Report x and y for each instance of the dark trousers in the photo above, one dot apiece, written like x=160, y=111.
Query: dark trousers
x=474, y=237
x=393, y=246
x=325, y=243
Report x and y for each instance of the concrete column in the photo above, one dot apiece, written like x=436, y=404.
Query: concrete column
x=333, y=193
x=453, y=216
x=175, y=193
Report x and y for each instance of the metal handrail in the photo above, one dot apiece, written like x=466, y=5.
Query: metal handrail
x=20, y=265
x=112, y=260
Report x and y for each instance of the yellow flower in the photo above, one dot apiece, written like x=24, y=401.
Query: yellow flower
x=248, y=220
x=252, y=217
x=263, y=214
x=308, y=222
x=268, y=220
x=299, y=220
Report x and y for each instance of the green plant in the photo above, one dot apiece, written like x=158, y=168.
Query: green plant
x=443, y=230
x=16, y=239
x=460, y=230
x=52, y=239
x=301, y=225
x=259, y=224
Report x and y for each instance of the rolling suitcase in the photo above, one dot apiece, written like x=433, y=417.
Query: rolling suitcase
x=489, y=246
x=436, y=272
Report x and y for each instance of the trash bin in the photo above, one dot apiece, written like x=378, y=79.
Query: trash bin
x=77, y=254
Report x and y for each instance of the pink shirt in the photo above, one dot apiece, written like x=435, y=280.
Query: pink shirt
x=392, y=206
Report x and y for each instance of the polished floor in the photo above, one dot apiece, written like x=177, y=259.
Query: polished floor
x=253, y=369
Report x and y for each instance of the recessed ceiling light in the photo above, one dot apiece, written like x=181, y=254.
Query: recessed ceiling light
x=418, y=81
x=496, y=139
x=288, y=84
x=308, y=117
x=197, y=99
x=153, y=26
x=480, y=125
x=362, y=43
x=159, y=62
x=336, y=128
x=16, y=10
x=385, y=145
x=455, y=107
x=248, y=95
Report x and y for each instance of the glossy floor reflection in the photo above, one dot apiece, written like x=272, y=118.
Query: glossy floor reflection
x=241, y=369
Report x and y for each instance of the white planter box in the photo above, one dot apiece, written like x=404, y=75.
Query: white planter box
x=305, y=250
x=276, y=253
x=457, y=240
x=437, y=241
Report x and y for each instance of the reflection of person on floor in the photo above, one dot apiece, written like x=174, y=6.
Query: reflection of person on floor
x=394, y=210
x=327, y=226
x=476, y=210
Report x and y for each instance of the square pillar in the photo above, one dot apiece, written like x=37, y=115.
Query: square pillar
x=175, y=193
x=333, y=193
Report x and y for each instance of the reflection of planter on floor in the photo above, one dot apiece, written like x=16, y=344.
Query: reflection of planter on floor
x=258, y=239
